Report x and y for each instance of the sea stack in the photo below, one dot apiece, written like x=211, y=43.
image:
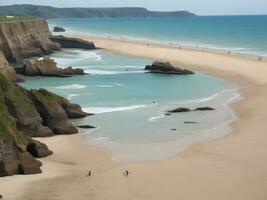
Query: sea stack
x=47, y=67
x=166, y=68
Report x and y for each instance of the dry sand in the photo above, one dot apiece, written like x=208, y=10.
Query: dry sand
x=231, y=168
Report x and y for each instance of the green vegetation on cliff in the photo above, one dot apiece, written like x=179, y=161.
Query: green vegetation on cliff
x=13, y=103
x=48, y=98
x=15, y=18
x=48, y=12
x=25, y=113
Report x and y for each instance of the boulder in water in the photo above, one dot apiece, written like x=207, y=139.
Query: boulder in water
x=204, y=109
x=58, y=29
x=166, y=68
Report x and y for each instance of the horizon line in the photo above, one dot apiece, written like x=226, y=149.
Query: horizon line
x=140, y=7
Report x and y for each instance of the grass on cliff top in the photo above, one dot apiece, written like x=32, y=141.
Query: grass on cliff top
x=4, y=19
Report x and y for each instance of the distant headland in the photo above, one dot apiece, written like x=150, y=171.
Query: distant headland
x=48, y=12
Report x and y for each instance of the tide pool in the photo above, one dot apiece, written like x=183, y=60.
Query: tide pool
x=130, y=105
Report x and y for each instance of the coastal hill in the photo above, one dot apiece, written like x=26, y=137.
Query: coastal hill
x=48, y=12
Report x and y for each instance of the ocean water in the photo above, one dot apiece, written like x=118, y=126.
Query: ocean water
x=245, y=34
x=123, y=96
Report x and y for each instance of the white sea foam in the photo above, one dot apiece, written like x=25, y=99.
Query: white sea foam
x=127, y=67
x=71, y=96
x=71, y=87
x=119, y=84
x=212, y=97
x=72, y=57
x=154, y=119
x=106, y=72
x=104, y=138
x=104, y=86
x=99, y=110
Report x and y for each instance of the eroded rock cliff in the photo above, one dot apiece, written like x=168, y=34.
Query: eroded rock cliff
x=23, y=39
x=47, y=67
x=7, y=70
x=35, y=113
x=70, y=42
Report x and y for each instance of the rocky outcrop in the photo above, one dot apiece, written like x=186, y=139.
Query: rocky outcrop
x=179, y=110
x=47, y=67
x=204, y=109
x=69, y=42
x=15, y=160
x=7, y=70
x=14, y=157
x=58, y=29
x=86, y=127
x=36, y=113
x=166, y=68
x=74, y=111
x=23, y=39
x=38, y=149
x=182, y=109
x=55, y=111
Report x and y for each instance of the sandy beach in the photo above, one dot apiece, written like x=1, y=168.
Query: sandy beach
x=231, y=168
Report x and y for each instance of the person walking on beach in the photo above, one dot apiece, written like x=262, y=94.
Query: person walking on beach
x=89, y=173
x=126, y=173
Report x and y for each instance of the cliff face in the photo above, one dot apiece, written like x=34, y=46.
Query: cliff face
x=24, y=39
x=7, y=70
x=25, y=114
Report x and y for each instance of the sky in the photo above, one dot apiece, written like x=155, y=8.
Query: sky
x=200, y=7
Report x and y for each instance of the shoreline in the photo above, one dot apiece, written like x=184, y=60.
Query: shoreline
x=235, y=164
x=255, y=56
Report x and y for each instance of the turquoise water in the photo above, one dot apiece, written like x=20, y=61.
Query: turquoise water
x=246, y=34
x=122, y=95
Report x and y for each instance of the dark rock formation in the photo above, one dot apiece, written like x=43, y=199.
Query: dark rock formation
x=23, y=39
x=166, y=68
x=168, y=114
x=69, y=42
x=47, y=67
x=58, y=29
x=190, y=122
x=86, y=127
x=38, y=149
x=204, y=109
x=182, y=109
x=26, y=113
x=55, y=111
x=75, y=111
x=7, y=70
x=179, y=110
x=15, y=160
